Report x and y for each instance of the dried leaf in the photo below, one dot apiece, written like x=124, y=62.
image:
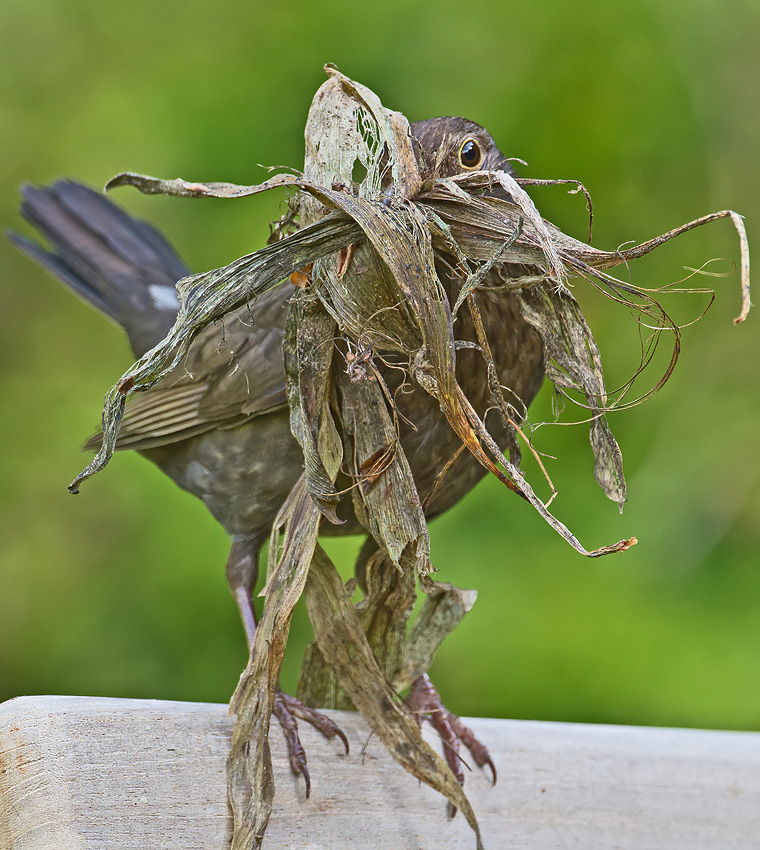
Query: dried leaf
x=344, y=646
x=384, y=612
x=443, y=610
x=573, y=362
x=391, y=511
x=401, y=238
x=308, y=362
x=249, y=765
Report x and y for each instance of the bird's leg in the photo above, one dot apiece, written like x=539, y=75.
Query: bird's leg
x=425, y=701
x=242, y=572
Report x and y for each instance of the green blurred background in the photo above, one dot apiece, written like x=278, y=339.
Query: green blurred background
x=652, y=103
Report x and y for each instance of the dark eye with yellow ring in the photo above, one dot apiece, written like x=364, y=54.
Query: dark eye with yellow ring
x=470, y=154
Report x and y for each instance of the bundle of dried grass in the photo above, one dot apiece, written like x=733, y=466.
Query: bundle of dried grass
x=396, y=220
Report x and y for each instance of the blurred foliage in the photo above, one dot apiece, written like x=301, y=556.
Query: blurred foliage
x=652, y=103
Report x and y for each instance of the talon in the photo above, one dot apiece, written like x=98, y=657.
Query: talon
x=296, y=752
x=329, y=728
x=286, y=709
x=243, y=560
x=345, y=741
x=306, y=779
x=425, y=701
x=339, y=732
x=479, y=751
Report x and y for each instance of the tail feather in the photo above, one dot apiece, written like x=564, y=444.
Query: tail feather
x=55, y=265
x=120, y=265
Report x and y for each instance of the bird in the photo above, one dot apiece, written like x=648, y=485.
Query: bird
x=220, y=427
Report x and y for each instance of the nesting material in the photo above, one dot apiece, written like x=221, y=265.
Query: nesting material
x=397, y=219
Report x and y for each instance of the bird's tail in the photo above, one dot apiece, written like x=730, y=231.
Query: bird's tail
x=118, y=264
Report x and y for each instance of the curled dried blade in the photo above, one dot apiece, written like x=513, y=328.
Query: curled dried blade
x=392, y=514
x=344, y=646
x=580, y=257
x=480, y=226
x=250, y=782
x=573, y=362
x=389, y=596
x=347, y=124
x=394, y=132
x=518, y=483
x=308, y=363
x=184, y=189
x=368, y=305
x=443, y=610
x=401, y=238
x=738, y=222
x=528, y=210
x=496, y=391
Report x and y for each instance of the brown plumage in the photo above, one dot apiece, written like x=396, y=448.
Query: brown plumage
x=219, y=425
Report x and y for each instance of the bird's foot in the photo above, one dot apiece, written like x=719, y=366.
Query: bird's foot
x=286, y=709
x=425, y=701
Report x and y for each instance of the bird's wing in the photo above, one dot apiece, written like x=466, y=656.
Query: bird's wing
x=233, y=371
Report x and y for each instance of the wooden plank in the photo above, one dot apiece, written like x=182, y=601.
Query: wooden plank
x=110, y=774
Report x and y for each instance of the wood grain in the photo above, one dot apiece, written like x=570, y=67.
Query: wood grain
x=111, y=774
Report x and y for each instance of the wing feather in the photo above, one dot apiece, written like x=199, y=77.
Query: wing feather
x=233, y=371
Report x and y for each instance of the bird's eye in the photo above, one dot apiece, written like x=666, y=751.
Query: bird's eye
x=470, y=154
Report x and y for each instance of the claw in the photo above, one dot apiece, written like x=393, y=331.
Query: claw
x=424, y=700
x=319, y=721
x=478, y=750
x=296, y=752
x=286, y=709
x=303, y=771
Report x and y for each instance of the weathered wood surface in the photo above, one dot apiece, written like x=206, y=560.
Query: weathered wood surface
x=110, y=774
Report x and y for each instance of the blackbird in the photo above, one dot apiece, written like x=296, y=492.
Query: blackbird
x=219, y=425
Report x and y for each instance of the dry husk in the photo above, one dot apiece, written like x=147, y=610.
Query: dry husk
x=398, y=222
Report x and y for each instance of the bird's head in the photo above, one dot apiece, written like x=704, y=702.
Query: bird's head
x=456, y=146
